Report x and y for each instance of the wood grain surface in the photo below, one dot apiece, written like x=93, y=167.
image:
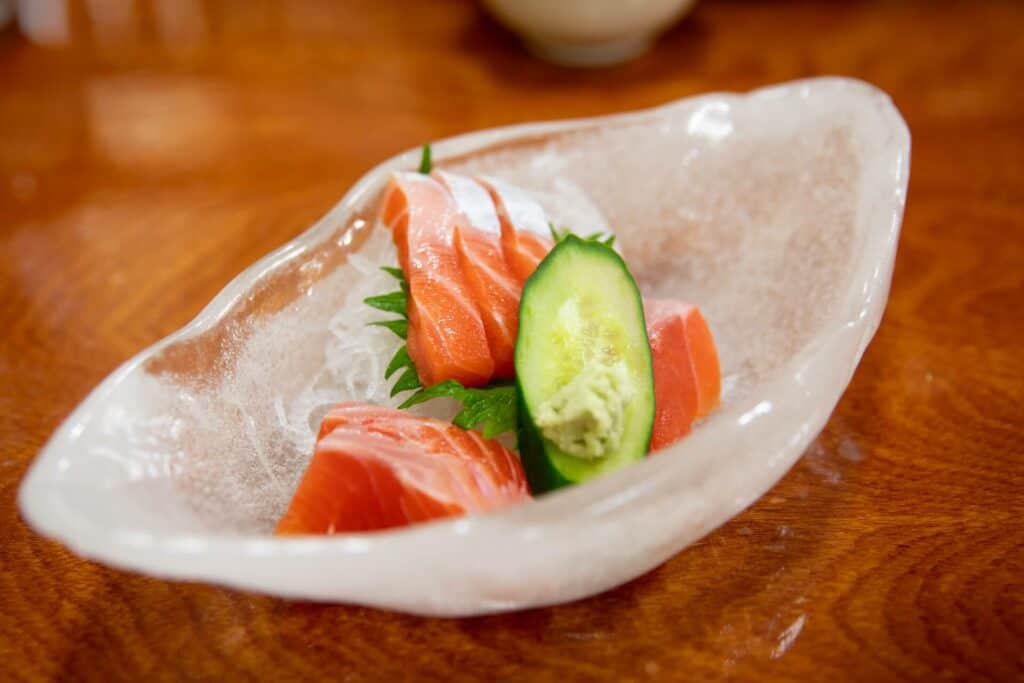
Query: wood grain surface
x=150, y=150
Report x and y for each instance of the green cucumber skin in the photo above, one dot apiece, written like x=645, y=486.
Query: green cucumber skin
x=541, y=472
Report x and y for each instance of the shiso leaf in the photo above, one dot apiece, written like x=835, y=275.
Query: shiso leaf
x=492, y=407
x=426, y=163
x=400, y=360
x=394, y=272
x=406, y=382
x=393, y=302
x=399, y=327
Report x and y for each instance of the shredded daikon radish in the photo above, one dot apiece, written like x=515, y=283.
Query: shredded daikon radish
x=357, y=352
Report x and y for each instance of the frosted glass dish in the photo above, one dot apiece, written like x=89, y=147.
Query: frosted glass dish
x=778, y=212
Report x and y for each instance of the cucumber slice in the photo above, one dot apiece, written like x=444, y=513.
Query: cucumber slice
x=583, y=367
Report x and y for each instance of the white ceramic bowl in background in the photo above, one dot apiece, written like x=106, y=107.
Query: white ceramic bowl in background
x=777, y=211
x=6, y=12
x=588, y=32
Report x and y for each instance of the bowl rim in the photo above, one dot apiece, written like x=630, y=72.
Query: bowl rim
x=195, y=555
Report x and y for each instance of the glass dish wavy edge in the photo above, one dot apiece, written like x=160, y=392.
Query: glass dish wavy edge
x=561, y=547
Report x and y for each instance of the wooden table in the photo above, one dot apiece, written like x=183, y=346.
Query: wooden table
x=151, y=150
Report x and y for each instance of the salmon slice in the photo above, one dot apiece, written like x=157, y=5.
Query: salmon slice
x=491, y=282
x=447, y=338
x=525, y=235
x=379, y=468
x=687, y=378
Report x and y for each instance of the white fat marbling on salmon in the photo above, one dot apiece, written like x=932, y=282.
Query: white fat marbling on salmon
x=472, y=200
x=518, y=207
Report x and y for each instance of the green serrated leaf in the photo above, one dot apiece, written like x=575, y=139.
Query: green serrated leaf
x=398, y=275
x=449, y=388
x=412, y=400
x=400, y=360
x=393, y=302
x=399, y=327
x=426, y=163
x=406, y=382
x=608, y=241
x=492, y=408
x=394, y=272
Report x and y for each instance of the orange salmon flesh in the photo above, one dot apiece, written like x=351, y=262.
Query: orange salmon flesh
x=379, y=468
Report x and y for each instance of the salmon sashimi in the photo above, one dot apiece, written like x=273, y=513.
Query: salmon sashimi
x=687, y=378
x=446, y=338
x=525, y=234
x=379, y=468
x=493, y=286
